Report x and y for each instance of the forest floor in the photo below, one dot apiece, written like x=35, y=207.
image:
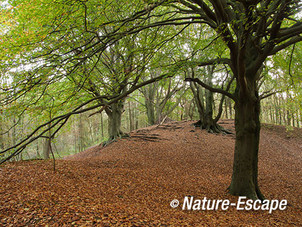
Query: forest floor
x=132, y=182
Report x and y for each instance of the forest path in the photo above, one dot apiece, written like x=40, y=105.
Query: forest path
x=132, y=181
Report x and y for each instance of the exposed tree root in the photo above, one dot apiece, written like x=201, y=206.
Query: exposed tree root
x=211, y=127
x=150, y=137
x=108, y=142
x=115, y=138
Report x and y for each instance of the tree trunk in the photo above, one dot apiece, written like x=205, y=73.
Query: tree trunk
x=226, y=109
x=149, y=94
x=114, y=120
x=81, y=133
x=288, y=115
x=206, y=120
x=150, y=111
x=102, y=125
x=230, y=108
x=293, y=119
x=271, y=115
x=37, y=151
x=46, y=152
x=47, y=144
x=298, y=118
x=131, y=125
x=245, y=167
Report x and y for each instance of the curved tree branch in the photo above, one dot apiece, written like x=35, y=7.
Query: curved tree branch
x=19, y=147
x=212, y=89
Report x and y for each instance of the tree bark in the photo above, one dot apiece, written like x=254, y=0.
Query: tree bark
x=149, y=94
x=47, y=145
x=226, y=109
x=102, y=125
x=150, y=111
x=114, y=113
x=247, y=123
x=131, y=124
x=205, y=109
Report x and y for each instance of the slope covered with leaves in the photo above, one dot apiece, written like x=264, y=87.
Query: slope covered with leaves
x=132, y=182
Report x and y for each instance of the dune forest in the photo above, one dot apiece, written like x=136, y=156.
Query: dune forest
x=150, y=113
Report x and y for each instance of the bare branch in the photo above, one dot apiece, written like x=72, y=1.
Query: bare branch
x=268, y=94
x=212, y=89
x=285, y=44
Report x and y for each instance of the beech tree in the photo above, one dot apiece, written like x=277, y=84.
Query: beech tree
x=253, y=31
x=112, y=76
x=205, y=100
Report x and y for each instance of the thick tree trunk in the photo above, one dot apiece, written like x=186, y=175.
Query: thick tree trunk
x=149, y=94
x=206, y=118
x=245, y=167
x=209, y=124
x=150, y=112
x=114, y=120
x=205, y=107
